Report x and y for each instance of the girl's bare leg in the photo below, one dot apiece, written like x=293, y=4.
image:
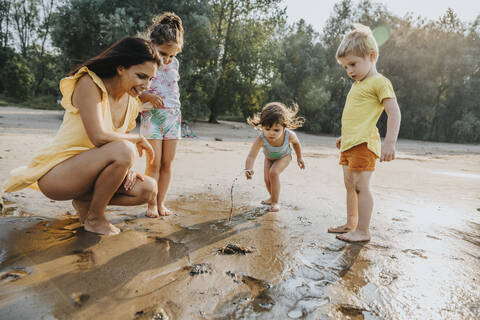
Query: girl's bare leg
x=352, y=203
x=99, y=171
x=153, y=170
x=365, y=207
x=169, y=149
x=266, y=177
x=274, y=174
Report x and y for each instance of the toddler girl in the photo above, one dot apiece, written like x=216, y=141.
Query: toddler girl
x=276, y=122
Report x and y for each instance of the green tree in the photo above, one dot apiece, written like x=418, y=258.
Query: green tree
x=228, y=16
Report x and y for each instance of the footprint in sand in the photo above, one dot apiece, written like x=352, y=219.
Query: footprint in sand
x=415, y=252
x=86, y=259
x=13, y=275
x=200, y=268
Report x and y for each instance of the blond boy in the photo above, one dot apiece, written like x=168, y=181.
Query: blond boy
x=360, y=143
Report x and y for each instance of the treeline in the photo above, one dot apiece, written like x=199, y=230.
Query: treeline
x=240, y=54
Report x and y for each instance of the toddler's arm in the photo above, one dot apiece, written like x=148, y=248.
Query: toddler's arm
x=298, y=149
x=252, y=155
x=393, y=126
x=338, y=143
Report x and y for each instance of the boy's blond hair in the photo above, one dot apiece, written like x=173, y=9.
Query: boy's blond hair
x=358, y=42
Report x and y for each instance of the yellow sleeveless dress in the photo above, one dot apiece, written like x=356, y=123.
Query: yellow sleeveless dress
x=71, y=139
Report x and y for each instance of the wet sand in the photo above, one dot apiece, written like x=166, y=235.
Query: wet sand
x=422, y=262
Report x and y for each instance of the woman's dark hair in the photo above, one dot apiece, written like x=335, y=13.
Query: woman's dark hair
x=126, y=52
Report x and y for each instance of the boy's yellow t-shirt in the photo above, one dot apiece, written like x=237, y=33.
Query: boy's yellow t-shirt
x=362, y=109
x=71, y=139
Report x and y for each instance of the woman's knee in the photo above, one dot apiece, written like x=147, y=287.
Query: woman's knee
x=123, y=153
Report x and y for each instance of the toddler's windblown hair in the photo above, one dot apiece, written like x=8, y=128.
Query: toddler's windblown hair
x=277, y=112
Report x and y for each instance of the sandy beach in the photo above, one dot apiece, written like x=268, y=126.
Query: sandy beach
x=423, y=260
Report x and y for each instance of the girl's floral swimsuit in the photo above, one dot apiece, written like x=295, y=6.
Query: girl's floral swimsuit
x=164, y=123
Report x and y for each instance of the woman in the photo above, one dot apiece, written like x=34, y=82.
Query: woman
x=91, y=156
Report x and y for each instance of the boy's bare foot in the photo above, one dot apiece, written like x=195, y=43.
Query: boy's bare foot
x=152, y=212
x=274, y=207
x=101, y=226
x=268, y=201
x=164, y=211
x=82, y=209
x=354, y=236
x=340, y=229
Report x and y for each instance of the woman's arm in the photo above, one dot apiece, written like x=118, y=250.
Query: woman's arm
x=87, y=98
x=252, y=155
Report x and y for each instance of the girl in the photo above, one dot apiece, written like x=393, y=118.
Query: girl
x=161, y=118
x=275, y=120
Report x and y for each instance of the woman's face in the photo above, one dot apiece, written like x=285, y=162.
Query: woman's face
x=137, y=78
x=167, y=52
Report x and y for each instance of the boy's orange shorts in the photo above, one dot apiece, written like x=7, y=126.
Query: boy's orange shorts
x=358, y=158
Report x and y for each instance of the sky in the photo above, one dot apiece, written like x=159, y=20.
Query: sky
x=316, y=12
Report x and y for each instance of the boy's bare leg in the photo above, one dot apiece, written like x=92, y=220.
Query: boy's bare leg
x=276, y=169
x=365, y=207
x=352, y=204
x=266, y=176
x=153, y=170
x=169, y=149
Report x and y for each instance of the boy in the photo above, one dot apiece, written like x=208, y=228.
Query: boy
x=360, y=141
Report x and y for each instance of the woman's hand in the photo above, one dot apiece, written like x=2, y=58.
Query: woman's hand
x=131, y=179
x=143, y=144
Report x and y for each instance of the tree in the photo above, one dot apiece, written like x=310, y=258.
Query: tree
x=227, y=18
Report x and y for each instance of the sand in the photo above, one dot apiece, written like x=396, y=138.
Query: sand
x=422, y=261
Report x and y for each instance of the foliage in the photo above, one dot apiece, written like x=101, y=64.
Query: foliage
x=240, y=54
x=17, y=77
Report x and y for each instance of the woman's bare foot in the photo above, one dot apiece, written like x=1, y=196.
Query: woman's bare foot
x=164, y=211
x=101, y=226
x=82, y=209
x=152, y=212
x=268, y=201
x=274, y=207
x=354, y=236
x=340, y=229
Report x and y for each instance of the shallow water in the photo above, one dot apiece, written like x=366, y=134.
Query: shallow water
x=53, y=269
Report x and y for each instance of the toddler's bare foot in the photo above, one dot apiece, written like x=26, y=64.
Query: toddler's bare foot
x=82, y=209
x=101, y=226
x=152, y=212
x=268, y=201
x=340, y=229
x=354, y=236
x=274, y=207
x=164, y=211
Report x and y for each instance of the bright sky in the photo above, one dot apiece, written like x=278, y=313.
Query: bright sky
x=316, y=12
